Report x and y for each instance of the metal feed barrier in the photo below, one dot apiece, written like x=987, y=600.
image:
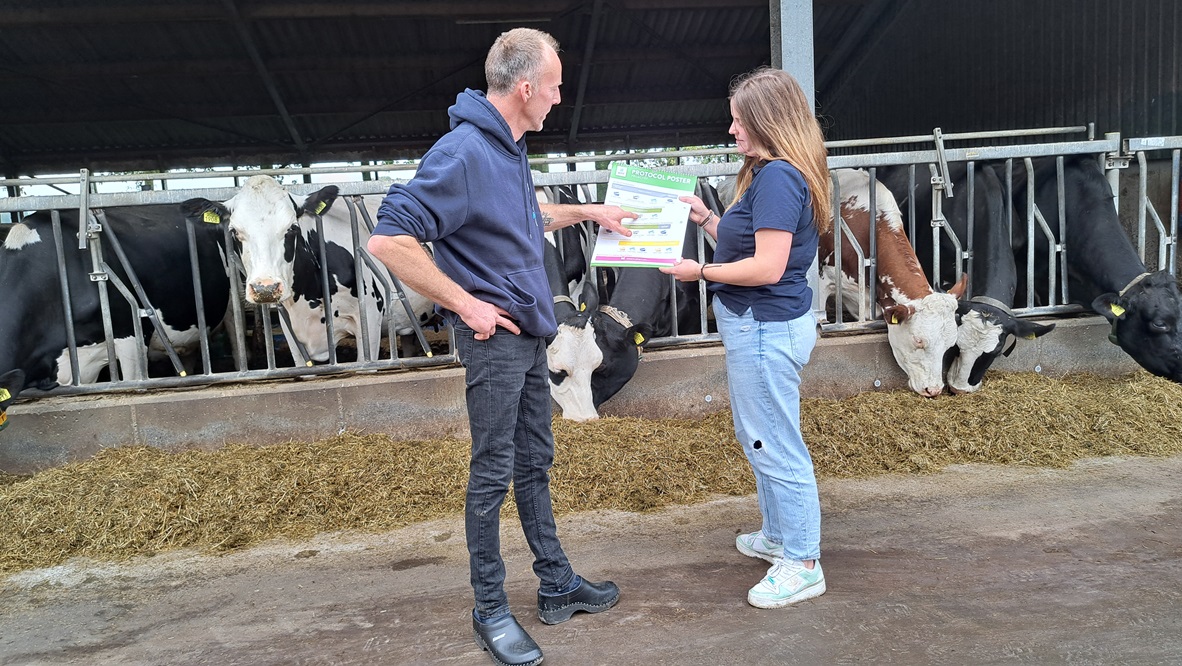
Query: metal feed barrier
x=1155, y=223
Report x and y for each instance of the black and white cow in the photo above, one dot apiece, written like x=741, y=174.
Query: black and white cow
x=1103, y=270
x=986, y=326
x=573, y=355
x=569, y=244
x=598, y=345
x=34, y=349
x=277, y=240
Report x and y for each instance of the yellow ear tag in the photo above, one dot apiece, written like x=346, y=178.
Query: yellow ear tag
x=3, y=420
x=211, y=217
x=320, y=207
x=1031, y=336
x=582, y=307
x=894, y=319
x=4, y=394
x=638, y=339
x=1116, y=309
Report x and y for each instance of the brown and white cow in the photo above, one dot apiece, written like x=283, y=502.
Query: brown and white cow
x=921, y=323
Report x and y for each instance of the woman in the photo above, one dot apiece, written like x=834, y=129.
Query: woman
x=767, y=239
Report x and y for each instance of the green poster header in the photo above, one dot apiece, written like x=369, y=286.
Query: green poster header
x=652, y=177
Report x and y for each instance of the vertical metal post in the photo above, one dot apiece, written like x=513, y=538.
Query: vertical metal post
x=1053, y=250
x=1113, y=174
x=1175, y=184
x=234, y=272
x=792, y=51
x=1142, y=194
x=363, y=288
x=872, y=250
x=327, y=300
x=1029, y=163
x=198, y=298
x=970, y=236
x=938, y=184
x=838, y=230
x=263, y=318
x=83, y=206
x=792, y=42
x=67, y=306
x=89, y=230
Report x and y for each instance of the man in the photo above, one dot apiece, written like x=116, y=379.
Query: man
x=473, y=198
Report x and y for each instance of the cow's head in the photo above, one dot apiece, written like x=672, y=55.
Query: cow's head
x=983, y=333
x=1145, y=317
x=920, y=332
x=11, y=384
x=573, y=356
x=621, y=345
x=264, y=225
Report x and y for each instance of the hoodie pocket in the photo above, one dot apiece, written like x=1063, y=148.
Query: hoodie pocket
x=523, y=285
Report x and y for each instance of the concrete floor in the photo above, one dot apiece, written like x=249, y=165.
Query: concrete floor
x=975, y=565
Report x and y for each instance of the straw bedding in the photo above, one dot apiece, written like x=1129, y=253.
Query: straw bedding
x=140, y=501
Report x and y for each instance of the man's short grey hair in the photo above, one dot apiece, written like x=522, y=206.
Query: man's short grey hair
x=516, y=55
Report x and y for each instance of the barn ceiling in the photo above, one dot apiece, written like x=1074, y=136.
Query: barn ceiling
x=147, y=85
x=121, y=84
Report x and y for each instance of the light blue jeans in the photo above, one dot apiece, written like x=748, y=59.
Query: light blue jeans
x=763, y=364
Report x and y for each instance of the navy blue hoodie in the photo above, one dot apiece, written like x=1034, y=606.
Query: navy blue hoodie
x=473, y=199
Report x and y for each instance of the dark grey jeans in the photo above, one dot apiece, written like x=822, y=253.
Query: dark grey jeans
x=508, y=396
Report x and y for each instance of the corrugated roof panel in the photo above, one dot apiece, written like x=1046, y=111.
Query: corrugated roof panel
x=171, y=81
x=1068, y=63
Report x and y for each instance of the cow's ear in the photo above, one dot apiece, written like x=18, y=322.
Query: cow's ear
x=204, y=210
x=11, y=384
x=640, y=334
x=1030, y=330
x=589, y=297
x=1109, y=306
x=320, y=201
x=896, y=314
x=959, y=288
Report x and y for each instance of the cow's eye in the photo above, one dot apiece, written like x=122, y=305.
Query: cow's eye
x=557, y=377
x=236, y=234
x=1159, y=326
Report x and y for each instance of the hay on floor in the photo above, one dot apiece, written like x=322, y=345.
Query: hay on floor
x=140, y=501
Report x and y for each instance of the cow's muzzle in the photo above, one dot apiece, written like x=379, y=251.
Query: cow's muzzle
x=265, y=292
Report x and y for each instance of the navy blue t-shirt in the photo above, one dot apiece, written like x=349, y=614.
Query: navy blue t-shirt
x=777, y=198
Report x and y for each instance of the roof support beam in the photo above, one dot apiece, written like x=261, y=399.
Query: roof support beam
x=261, y=68
x=585, y=70
x=792, y=42
x=63, y=72
x=14, y=14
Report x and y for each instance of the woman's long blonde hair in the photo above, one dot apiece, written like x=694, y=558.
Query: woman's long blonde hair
x=780, y=125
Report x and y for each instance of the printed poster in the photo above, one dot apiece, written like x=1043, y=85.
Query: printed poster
x=659, y=231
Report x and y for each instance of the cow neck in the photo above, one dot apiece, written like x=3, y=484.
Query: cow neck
x=898, y=267
x=1133, y=283
x=992, y=301
x=617, y=315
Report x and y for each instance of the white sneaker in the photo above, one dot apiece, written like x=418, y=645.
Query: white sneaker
x=756, y=544
x=787, y=582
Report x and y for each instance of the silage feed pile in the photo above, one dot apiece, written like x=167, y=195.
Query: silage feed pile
x=141, y=501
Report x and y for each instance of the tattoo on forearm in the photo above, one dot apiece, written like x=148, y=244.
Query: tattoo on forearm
x=547, y=220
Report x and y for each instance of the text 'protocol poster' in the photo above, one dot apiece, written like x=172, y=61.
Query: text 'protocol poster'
x=658, y=232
